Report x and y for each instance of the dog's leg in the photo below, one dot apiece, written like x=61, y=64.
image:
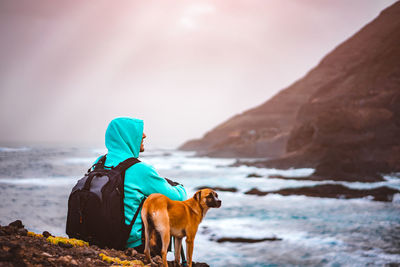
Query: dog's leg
x=177, y=247
x=146, y=235
x=161, y=222
x=189, y=248
x=165, y=243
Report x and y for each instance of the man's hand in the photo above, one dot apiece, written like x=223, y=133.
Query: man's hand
x=172, y=182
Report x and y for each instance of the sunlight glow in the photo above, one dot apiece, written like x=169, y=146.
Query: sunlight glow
x=191, y=14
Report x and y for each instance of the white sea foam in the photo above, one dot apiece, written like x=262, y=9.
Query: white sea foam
x=14, y=149
x=50, y=182
x=394, y=183
x=291, y=172
x=396, y=198
x=87, y=160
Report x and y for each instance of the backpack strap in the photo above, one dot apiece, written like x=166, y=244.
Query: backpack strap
x=136, y=213
x=126, y=164
x=122, y=167
x=99, y=165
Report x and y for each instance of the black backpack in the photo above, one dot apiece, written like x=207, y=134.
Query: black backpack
x=96, y=206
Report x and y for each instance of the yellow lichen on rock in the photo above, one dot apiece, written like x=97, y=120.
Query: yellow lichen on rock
x=56, y=240
x=34, y=234
x=118, y=261
x=72, y=241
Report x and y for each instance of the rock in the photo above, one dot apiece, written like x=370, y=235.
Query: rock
x=5, y=256
x=157, y=259
x=333, y=191
x=22, y=231
x=344, y=177
x=66, y=259
x=46, y=254
x=8, y=230
x=200, y=264
x=246, y=240
x=17, y=224
x=65, y=245
x=255, y=191
x=253, y=175
x=131, y=252
x=88, y=252
x=20, y=250
x=223, y=189
x=46, y=234
x=12, y=246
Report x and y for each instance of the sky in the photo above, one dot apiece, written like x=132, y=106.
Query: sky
x=69, y=67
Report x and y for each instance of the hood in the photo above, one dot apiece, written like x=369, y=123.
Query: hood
x=123, y=139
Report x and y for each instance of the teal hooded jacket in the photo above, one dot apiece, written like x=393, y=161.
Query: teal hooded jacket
x=123, y=139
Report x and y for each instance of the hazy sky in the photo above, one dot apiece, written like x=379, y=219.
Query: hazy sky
x=68, y=67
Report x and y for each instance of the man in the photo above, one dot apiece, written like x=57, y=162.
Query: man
x=124, y=139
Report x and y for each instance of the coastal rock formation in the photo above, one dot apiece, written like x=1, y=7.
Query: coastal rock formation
x=342, y=118
x=217, y=188
x=246, y=240
x=262, y=131
x=350, y=127
x=383, y=193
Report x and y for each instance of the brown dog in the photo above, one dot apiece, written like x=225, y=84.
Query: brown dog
x=177, y=219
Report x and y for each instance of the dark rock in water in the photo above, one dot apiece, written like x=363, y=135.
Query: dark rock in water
x=342, y=118
x=255, y=191
x=333, y=191
x=324, y=178
x=224, y=189
x=348, y=169
x=253, y=175
x=246, y=240
x=200, y=264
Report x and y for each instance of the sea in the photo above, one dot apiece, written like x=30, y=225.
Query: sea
x=35, y=182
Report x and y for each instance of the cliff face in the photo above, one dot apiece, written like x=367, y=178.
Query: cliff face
x=262, y=131
x=353, y=121
x=346, y=110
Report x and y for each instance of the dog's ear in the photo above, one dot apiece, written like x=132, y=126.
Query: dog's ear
x=197, y=196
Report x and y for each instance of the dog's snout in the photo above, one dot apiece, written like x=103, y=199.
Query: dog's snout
x=219, y=203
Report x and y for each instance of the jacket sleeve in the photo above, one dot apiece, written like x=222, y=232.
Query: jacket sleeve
x=151, y=182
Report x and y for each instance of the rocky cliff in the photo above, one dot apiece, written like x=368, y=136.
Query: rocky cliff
x=262, y=131
x=342, y=117
x=351, y=125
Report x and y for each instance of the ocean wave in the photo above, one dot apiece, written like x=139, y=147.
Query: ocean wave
x=14, y=149
x=396, y=198
x=51, y=182
x=88, y=160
